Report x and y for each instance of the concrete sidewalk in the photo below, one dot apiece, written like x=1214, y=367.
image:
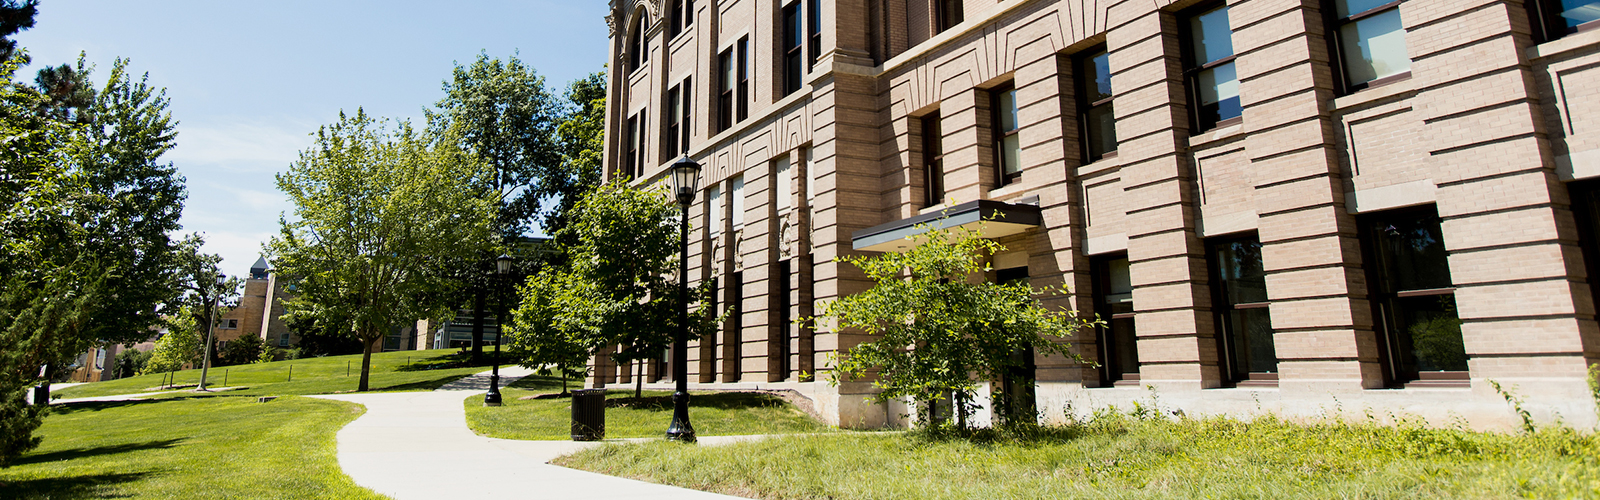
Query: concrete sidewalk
x=416, y=445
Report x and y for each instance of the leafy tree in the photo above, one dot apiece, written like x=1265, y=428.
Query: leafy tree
x=69, y=95
x=323, y=337
x=378, y=214
x=581, y=137
x=130, y=362
x=181, y=345
x=199, y=294
x=619, y=288
x=936, y=330
x=15, y=16
x=243, y=350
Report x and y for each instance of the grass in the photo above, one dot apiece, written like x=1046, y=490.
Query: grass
x=712, y=414
x=190, y=447
x=391, y=371
x=1122, y=456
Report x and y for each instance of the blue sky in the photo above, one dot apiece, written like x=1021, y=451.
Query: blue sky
x=249, y=81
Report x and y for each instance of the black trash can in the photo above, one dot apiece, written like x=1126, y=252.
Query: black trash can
x=41, y=394
x=588, y=414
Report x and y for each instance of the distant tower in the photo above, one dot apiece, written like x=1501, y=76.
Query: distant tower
x=258, y=271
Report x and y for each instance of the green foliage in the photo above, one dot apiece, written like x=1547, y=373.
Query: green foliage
x=18, y=420
x=244, y=350
x=15, y=16
x=618, y=289
x=935, y=328
x=182, y=344
x=131, y=362
x=1516, y=406
x=379, y=217
x=1120, y=455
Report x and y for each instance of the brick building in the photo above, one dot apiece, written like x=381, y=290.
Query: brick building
x=1298, y=206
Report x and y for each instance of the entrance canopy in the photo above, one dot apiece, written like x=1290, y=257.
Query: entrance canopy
x=999, y=220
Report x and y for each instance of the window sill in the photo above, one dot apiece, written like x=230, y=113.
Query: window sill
x=1105, y=163
x=1564, y=45
x=1222, y=133
x=1403, y=88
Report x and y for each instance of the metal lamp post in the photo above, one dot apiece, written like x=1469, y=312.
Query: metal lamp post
x=685, y=182
x=211, y=325
x=502, y=270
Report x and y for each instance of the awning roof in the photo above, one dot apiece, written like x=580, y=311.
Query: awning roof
x=1000, y=220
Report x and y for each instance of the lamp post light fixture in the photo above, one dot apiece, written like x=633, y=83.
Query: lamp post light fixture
x=211, y=325
x=502, y=271
x=685, y=183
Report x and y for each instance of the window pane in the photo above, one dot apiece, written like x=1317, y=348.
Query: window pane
x=1374, y=47
x=1120, y=288
x=1219, y=94
x=1577, y=12
x=1434, y=331
x=1344, y=8
x=1251, y=331
x=727, y=71
x=1213, y=39
x=736, y=199
x=1244, y=280
x=1412, y=252
x=1102, y=131
x=1008, y=110
x=1097, y=78
x=1126, y=345
x=1011, y=154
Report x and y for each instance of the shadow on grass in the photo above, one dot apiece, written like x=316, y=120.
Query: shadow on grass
x=453, y=360
x=541, y=382
x=425, y=385
x=76, y=453
x=90, y=406
x=88, y=486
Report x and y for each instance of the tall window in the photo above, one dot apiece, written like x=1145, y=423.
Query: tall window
x=1244, y=328
x=681, y=14
x=932, y=160
x=635, y=47
x=714, y=210
x=1554, y=19
x=686, y=112
x=744, y=79
x=674, y=123
x=948, y=13
x=726, y=85
x=1413, y=297
x=633, y=165
x=793, y=48
x=1213, y=80
x=1119, y=346
x=736, y=201
x=814, y=14
x=1018, y=400
x=1007, y=144
x=785, y=326
x=1094, y=105
x=1371, y=42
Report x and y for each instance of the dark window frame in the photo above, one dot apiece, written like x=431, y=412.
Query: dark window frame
x=725, y=90
x=1396, y=361
x=1018, y=382
x=932, y=159
x=1086, y=135
x=1112, y=373
x=793, y=47
x=742, y=111
x=687, y=111
x=814, y=21
x=629, y=161
x=636, y=52
x=948, y=14
x=675, y=18
x=1193, y=69
x=1228, y=351
x=999, y=136
x=674, y=116
x=1335, y=47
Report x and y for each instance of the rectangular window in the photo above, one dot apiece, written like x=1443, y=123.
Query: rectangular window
x=1094, y=105
x=744, y=79
x=1414, y=298
x=283, y=340
x=736, y=201
x=1007, y=143
x=714, y=209
x=1017, y=398
x=630, y=163
x=1371, y=42
x=1213, y=79
x=676, y=13
x=814, y=13
x=1119, y=346
x=793, y=45
x=688, y=13
x=1554, y=19
x=725, y=88
x=687, y=112
x=674, y=123
x=932, y=160
x=782, y=187
x=948, y=13
x=1244, y=327
x=636, y=47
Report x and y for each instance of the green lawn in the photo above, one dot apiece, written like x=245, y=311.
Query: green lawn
x=391, y=371
x=190, y=447
x=712, y=414
x=1118, y=456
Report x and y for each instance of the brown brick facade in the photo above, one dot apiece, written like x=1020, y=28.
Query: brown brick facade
x=1490, y=130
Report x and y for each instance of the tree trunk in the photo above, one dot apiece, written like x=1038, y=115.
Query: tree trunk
x=638, y=380
x=366, y=362
x=563, y=378
x=477, y=326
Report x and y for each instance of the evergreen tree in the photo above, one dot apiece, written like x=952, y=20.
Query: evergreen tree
x=15, y=16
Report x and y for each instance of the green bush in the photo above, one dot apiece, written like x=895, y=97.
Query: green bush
x=243, y=350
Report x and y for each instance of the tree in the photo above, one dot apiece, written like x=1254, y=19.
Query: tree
x=244, y=350
x=15, y=16
x=938, y=332
x=581, y=137
x=199, y=294
x=378, y=216
x=69, y=95
x=618, y=289
x=182, y=344
x=130, y=362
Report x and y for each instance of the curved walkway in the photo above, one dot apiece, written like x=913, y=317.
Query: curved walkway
x=416, y=445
